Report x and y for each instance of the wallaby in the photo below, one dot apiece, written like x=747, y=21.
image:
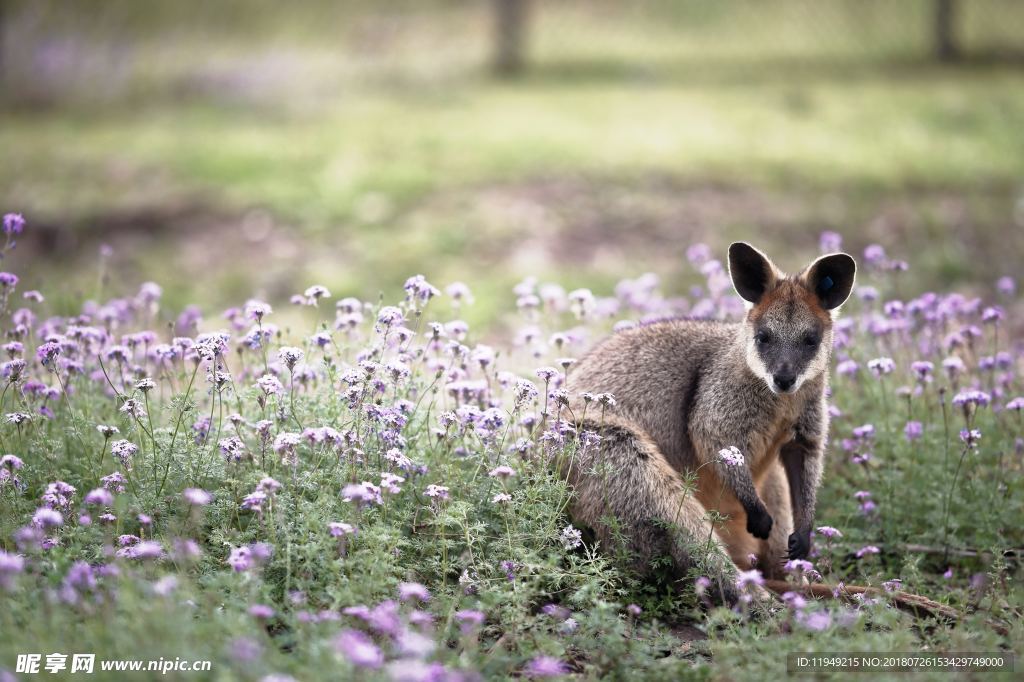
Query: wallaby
x=688, y=389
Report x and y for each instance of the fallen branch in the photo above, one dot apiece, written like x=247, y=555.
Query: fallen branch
x=1010, y=554
x=913, y=603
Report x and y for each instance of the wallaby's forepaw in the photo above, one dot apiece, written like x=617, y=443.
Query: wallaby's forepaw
x=759, y=522
x=799, y=545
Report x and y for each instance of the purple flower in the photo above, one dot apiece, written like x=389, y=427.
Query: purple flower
x=415, y=645
x=972, y=398
x=141, y=549
x=830, y=242
x=261, y=611
x=240, y=559
x=437, y=492
x=556, y=612
x=13, y=369
x=134, y=408
x=270, y=384
x=47, y=518
x=570, y=537
x=993, y=314
x=794, y=600
x=864, y=432
x=698, y=254
x=923, y=369
x=867, y=550
x=547, y=373
x=257, y=310
x=8, y=280
x=502, y=472
x=419, y=290
x=798, y=566
x=390, y=483
x=186, y=550
x=314, y=293
x=124, y=450
x=413, y=591
x=254, y=501
x=245, y=649
x=913, y=430
x=970, y=437
x=388, y=317
x=469, y=619
x=197, y=496
x=11, y=462
x=114, y=481
x=10, y=566
x=59, y=495
x=874, y=254
x=268, y=485
x=47, y=352
x=747, y=579
x=847, y=368
x=232, y=447
x=290, y=356
x=340, y=529
x=1006, y=286
x=816, y=621
x=881, y=366
x=100, y=497
x=359, y=649
x=893, y=585
x=953, y=366
x=14, y=223
x=363, y=494
x=731, y=456
x=546, y=666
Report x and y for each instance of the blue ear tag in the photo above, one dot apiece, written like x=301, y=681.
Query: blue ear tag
x=825, y=284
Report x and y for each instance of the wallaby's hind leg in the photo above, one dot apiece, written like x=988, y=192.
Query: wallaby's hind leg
x=626, y=478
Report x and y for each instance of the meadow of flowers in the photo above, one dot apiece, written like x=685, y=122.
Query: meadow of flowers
x=346, y=489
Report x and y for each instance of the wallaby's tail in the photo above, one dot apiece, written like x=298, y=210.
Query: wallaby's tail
x=907, y=601
x=632, y=499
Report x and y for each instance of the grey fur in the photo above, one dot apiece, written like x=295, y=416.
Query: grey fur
x=686, y=389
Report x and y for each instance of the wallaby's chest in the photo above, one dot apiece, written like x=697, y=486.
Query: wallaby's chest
x=767, y=439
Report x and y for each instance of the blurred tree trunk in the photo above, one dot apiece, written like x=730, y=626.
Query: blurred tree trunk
x=946, y=47
x=510, y=25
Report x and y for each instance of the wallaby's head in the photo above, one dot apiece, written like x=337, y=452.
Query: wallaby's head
x=787, y=331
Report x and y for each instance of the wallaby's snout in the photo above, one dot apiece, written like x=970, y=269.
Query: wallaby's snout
x=784, y=378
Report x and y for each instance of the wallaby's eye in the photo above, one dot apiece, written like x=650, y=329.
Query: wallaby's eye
x=811, y=341
x=762, y=337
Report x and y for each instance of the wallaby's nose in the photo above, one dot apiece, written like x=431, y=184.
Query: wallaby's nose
x=784, y=381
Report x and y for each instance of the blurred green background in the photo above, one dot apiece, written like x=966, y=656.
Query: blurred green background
x=247, y=147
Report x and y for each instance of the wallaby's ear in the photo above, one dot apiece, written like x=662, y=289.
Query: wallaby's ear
x=831, y=279
x=751, y=271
